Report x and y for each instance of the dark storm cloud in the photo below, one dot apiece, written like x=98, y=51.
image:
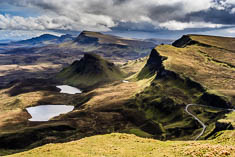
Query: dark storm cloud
x=164, y=13
x=119, y=2
x=45, y=6
x=212, y=15
x=130, y=26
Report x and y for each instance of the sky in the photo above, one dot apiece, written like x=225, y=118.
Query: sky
x=21, y=19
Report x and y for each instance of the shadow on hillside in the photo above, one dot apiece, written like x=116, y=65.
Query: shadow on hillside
x=20, y=75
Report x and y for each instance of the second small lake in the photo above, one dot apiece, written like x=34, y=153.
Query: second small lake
x=69, y=89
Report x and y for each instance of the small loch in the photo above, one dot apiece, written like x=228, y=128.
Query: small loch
x=46, y=112
x=69, y=89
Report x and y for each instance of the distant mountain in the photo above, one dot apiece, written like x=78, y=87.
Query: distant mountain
x=91, y=70
x=45, y=39
x=4, y=41
x=97, y=38
x=33, y=44
x=37, y=40
x=108, y=46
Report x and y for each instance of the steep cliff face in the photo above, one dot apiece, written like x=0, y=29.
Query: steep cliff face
x=89, y=71
x=153, y=66
x=186, y=40
x=183, y=41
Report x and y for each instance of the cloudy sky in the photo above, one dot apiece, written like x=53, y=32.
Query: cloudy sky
x=134, y=18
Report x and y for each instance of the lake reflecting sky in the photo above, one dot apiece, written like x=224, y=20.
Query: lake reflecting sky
x=46, y=112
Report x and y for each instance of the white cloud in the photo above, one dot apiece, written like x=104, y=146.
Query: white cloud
x=175, y=25
x=101, y=15
x=44, y=22
x=230, y=30
x=232, y=11
x=230, y=1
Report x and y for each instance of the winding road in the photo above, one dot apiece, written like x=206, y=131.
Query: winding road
x=203, y=125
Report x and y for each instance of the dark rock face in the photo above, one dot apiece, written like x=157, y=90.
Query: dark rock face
x=182, y=42
x=155, y=60
x=153, y=65
x=84, y=39
x=185, y=40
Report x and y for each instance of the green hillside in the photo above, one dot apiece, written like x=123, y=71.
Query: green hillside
x=123, y=145
x=91, y=70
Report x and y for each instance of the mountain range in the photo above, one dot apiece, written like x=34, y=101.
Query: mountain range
x=45, y=39
x=112, y=47
x=177, y=94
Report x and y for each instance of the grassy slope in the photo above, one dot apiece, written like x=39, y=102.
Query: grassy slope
x=210, y=66
x=124, y=145
x=134, y=66
x=219, y=42
x=230, y=118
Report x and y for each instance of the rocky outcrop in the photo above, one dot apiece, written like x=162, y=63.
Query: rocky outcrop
x=154, y=65
x=186, y=40
x=182, y=42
